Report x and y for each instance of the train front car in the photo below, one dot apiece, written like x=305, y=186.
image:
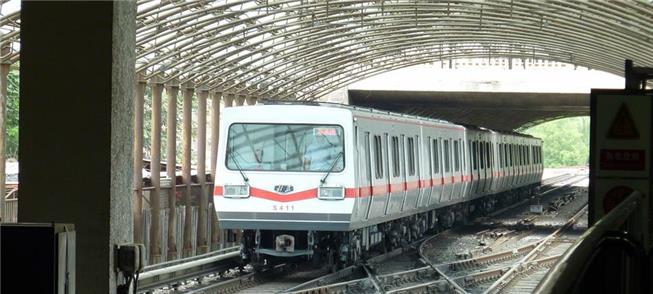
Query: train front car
x=282, y=176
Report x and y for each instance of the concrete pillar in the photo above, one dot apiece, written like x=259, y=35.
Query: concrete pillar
x=186, y=166
x=251, y=99
x=202, y=244
x=240, y=100
x=4, y=73
x=155, y=173
x=171, y=165
x=137, y=200
x=215, y=133
x=77, y=89
x=229, y=99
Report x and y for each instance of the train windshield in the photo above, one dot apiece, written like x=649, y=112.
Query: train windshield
x=285, y=147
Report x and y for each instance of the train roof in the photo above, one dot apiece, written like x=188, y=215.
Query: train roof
x=356, y=108
x=395, y=114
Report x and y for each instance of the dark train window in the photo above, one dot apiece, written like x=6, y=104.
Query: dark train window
x=436, y=154
x=501, y=155
x=510, y=155
x=411, y=156
x=488, y=158
x=417, y=156
x=474, y=155
x=481, y=151
x=378, y=158
x=395, y=157
x=456, y=155
x=447, y=156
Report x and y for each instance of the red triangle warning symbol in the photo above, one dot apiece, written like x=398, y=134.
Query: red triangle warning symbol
x=623, y=126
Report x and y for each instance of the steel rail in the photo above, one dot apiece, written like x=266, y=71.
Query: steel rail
x=500, y=283
x=563, y=277
x=180, y=270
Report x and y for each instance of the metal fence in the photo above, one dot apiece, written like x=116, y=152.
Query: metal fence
x=10, y=213
x=180, y=212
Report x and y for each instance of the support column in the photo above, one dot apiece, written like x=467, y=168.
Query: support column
x=186, y=176
x=4, y=73
x=229, y=99
x=137, y=200
x=215, y=133
x=82, y=128
x=155, y=173
x=240, y=100
x=171, y=165
x=202, y=245
x=251, y=99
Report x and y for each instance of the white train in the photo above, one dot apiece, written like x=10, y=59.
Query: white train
x=331, y=182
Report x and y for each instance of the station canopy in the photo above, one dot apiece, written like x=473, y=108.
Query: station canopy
x=304, y=49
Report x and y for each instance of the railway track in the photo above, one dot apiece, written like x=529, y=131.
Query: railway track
x=405, y=270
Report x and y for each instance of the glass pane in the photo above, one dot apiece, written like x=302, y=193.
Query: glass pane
x=285, y=147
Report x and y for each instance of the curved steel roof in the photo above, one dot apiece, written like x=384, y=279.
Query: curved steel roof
x=302, y=49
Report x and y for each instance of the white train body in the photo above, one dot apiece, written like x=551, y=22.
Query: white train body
x=392, y=167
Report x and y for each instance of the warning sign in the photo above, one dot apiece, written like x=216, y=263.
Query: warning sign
x=623, y=126
x=622, y=159
x=615, y=196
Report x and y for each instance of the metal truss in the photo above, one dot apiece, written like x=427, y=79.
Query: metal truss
x=302, y=49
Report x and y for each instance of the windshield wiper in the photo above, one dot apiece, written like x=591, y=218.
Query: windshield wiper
x=238, y=166
x=331, y=168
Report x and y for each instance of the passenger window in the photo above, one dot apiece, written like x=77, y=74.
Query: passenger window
x=487, y=154
x=436, y=154
x=475, y=154
x=447, y=157
x=411, y=156
x=456, y=155
x=417, y=156
x=395, y=156
x=378, y=158
x=481, y=151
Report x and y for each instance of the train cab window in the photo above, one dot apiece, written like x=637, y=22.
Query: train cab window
x=447, y=156
x=436, y=155
x=378, y=157
x=395, y=157
x=456, y=155
x=411, y=156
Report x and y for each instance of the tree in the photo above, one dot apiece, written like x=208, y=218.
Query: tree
x=13, y=102
x=566, y=141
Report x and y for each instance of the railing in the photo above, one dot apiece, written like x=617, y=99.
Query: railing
x=10, y=213
x=604, y=259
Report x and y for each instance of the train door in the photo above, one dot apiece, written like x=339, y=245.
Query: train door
x=397, y=191
x=448, y=183
x=379, y=182
x=436, y=191
x=455, y=177
x=421, y=189
x=476, y=175
x=412, y=185
x=481, y=167
x=386, y=168
x=428, y=175
x=366, y=182
x=471, y=191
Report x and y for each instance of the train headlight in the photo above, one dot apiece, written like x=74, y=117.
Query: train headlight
x=331, y=193
x=236, y=191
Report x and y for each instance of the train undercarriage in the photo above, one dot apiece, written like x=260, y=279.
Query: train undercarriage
x=337, y=249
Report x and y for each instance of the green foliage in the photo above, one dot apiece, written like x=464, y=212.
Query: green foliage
x=566, y=141
x=13, y=102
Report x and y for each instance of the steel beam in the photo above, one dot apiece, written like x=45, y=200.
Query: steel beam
x=172, y=90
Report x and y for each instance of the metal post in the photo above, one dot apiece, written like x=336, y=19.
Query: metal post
x=186, y=176
x=4, y=73
x=202, y=244
x=215, y=133
x=137, y=200
x=171, y=167
x=155, y=172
